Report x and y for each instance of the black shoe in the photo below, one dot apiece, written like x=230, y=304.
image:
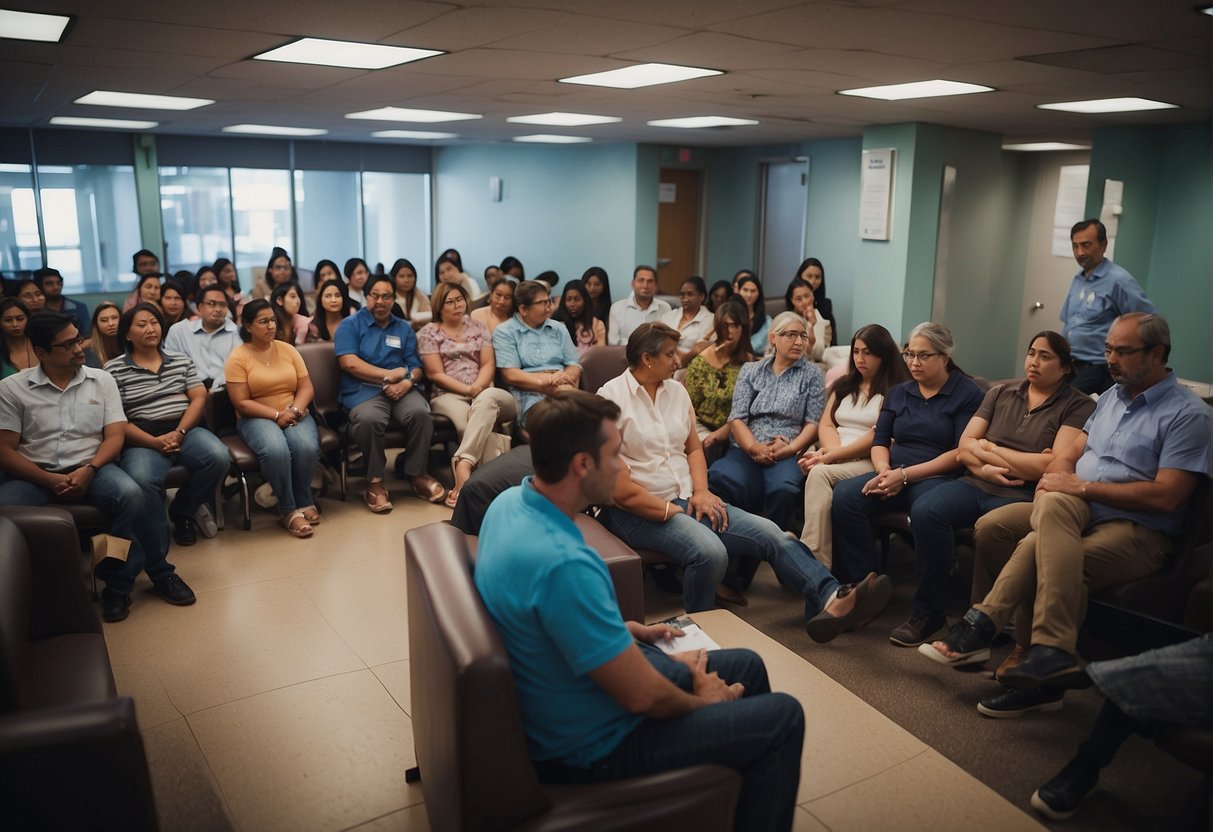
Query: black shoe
x=114, y=605
x=1060, y=797
x=1014, y=703
x=917, y=629
x=1043, y=664
x=174, y=590
x=969, y=640
x=184, y=531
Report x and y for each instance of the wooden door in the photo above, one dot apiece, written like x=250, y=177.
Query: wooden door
x=677, y=228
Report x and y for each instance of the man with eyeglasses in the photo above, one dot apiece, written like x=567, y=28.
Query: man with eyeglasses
x=208, y=339
x=641, y=307
x=1105, y=513
x=61, y=428
x=1099, y=292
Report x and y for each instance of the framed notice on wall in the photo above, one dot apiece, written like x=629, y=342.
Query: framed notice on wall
x=876, y=194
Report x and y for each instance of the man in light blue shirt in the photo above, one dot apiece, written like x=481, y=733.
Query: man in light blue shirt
x=640, y=307
x=1099, y=293
x=208, y=339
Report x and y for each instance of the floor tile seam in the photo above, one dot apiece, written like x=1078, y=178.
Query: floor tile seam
x=362, y=823
x=275, y=689
x=223, y=799
x=388, y=692
x=331, y=625
x=871, y=776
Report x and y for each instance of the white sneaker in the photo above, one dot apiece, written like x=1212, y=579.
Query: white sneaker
x=264, y=496
x=207, y=526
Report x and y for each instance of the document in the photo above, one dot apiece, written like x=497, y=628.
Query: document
x=693, y=638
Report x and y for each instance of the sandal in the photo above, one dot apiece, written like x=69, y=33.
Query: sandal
x=311, y=514
x=429, y=489
x=298, y=530
x=969, y=640
x=452, y=497
x=377, y=501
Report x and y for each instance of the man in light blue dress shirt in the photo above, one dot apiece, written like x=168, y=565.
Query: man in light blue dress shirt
x=208, y=339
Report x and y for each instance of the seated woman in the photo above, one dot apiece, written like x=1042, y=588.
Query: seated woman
x=457, y=356
x=922, y=420
x=173, y=306
x=30, y=294
x=103, y=343
x=721, y=291
x=693, y=321
x=147, y=290
x=712, y=374
x=356, y=273
x=334, y=306
x=663, y=500
x=412, y=301
x=598, y=287
x=535, y=354
x=16, y=351
x=163, y=399
x=447, y=269
x=291, y=311
x=500, y=307
x=846, y=430
x=750, y=291
x=777, y=403
x=279, y=270
x=576, y=314
x=799, y=299
x=325, y=271
x=813, y=273
x=229, y=279
x=271, y=392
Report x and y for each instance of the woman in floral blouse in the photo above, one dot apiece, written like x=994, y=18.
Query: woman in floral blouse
x=711, y=375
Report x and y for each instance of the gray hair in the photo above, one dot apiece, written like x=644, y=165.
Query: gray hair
x=785, y=319
x=938, y=335
x=1153, y=330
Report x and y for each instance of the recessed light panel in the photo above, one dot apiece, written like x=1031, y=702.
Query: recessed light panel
x=142, y=101
x=271, y=130
x=701, y=121
x=30, y=26
x=1030, y=147
x=917, y=89
x=412, y=134
x=641, y=75
x=345, y=53
x=564, y=119
x=1109, y=105
x=406, y=114
x=543, y=138
x=115, y=123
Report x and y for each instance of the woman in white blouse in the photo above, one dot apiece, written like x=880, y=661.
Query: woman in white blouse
x=693, y=321
x=845, y=433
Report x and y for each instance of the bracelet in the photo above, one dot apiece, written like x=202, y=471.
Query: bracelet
x=93, y=467
x=905, y=480
x=180, y=431
x=277, y=413
x=666, y=515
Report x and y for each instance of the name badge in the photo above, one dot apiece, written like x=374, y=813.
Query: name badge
x=392, y=341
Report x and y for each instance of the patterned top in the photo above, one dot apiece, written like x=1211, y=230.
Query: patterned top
x=154, y=401
x=460, y=356
x=778, y=405
x=711, y=390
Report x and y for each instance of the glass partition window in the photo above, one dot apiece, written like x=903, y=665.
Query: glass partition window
x=261, y=218
x=20, y=246
x=196, y=209
x=329, y=223
x=397, y=210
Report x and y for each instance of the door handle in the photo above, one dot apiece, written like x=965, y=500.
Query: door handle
x=1036, y=307
x=663, y=261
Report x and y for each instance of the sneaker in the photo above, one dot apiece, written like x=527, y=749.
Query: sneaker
x=205, y=521
x=1060, y=797
x=174, y=590
x=114, y=605
x=264, y=496
x=969, y=640
x=1042, y=665
x=184, y=532
x=917, y=629
x=1015, y=703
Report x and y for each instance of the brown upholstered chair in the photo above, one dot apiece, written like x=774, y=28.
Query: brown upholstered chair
x=468, y=736
x=71, y=756
x=601, y=364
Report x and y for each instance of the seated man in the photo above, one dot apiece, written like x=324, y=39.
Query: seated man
x=378, y=353
x=61, y=430
x=208, y=339
x=640, y=307
x=1105, y=513
x=51, y=282
x=662, y=501
x=598, y=701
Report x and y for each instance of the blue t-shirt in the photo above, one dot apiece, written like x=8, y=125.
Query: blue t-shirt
x=1093, y=303
x=390, y=347
x=921, y=429
x=552, y=599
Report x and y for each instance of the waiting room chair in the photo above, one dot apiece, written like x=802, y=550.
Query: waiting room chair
x=601, y=364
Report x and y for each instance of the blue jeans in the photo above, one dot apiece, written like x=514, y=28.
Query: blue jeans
x=288, y=458
x=117, y=495
x=773, y=491
x=202, y=453
x=704, y=554
x=855, y=552
x=759, y=735
x=934, y=519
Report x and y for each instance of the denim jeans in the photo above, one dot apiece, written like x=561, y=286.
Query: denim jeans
x=773, y=491
x=117, y=495
x=760, y=735
x=934, y=519
x=855, y=553
x=202, y=453
x=704, y=554
x=288, y=458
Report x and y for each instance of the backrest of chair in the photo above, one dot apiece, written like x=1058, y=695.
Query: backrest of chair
x=601, y=364
x=14, y=612
x=467, y=730
x=322, y=368
x=219, y=412
x=59, y=600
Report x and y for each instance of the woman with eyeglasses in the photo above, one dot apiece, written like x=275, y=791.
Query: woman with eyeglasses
x=535, y=354
x=576, y=313
x=913, y=451
x=30, y=293
x=16, y=351
x=777, y=403
x=693, y=320
x=500, y=307
x=712, y=375
x=103, y=343
x=457, y=356
x=271, y=392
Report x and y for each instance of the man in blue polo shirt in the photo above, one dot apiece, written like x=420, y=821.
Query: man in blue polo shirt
x=1099, y=293
x=377, y=353
x=598, y=700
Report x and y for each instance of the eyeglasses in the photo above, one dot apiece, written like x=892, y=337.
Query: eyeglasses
x=921, y=357
x=213, y=303
x=795, y=337
x=454, y=300
x=265, y=321
x=70, y=345
x=378, y=296
x=545, y=302
x=1125, y=352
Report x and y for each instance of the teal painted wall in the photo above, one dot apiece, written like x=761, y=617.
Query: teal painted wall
x=733, y=192
x=833, y=222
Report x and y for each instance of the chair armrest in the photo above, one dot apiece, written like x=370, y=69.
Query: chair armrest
x=59, y=601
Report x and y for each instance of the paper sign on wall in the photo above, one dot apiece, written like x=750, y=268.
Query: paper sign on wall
x=667, y=192
x=876, y=194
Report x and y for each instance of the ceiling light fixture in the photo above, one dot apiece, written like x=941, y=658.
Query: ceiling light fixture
x=271, y=130
x=344, y=53
x=1030, y=147
x=693, y=122
x=1109, y=105
x=545, y=138
x=407, y=114
x=48, y=28
x=641, y=75
x=917, y=89
x=115, y=123
x=564, y=119
x=413, y=134
x=142, y=101
x=1205, y=10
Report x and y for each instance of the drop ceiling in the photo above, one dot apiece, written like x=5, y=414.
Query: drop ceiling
x=783, y=61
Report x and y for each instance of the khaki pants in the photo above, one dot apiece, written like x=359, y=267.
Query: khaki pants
x=474, y=419
x=818, y=532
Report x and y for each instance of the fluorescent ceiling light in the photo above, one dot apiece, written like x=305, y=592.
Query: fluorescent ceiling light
x=345, y=53
x=544, y=138
x=701, y=121
x=271, y=130
x=1109, y=105
x=563, y=119
x=141, y=101
x=116, y=123
x=31, y=26
x=917, y=89
x=406, y=114
x=1039, y=146
x=641, y=75
x=412, y=134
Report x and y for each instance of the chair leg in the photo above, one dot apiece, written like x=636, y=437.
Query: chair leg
x=245, y=502
x=412, y=775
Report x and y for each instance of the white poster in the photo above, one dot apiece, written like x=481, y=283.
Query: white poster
x=876, y=194
x=1071, y=206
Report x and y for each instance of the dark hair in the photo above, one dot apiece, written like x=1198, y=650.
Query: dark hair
x=454, y=256
x=892, y=369
x=5, y=305
x=43, y=273
x=491, y=267
x=643, y=268
x=697, y=283
x=743, y=273
x=145, y=278
x=734, y=308
x=440, y=294
x=602, y=305
x=797, y=283
x=1101, y=230
x=374, y=278
x=320, y=264
x=347, y=306
x=648, y=339
x=128, y=318
x=394, y=272
x=280, y=292
x=813, y=261
x=586, y=321
x=42, y=327
x=719, y=284
x=173, y=285
x=196, y=278
x=513, y=263
x=22, y=282
x=353, y=263
x=278, y=252
x=526, y=292
x=219, y=265
x=564, y=424
x=549, y=277
x=143, y=252
x=249, y=314
x=1061, y=348
x=445, y=258
x=214, y=287
x=757, y=316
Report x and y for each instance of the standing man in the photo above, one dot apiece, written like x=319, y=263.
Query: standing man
x=208, y=339
x=599, y=702
x=641, y=307
x=52, y=289
x=61, y=430
x=1099, y=293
